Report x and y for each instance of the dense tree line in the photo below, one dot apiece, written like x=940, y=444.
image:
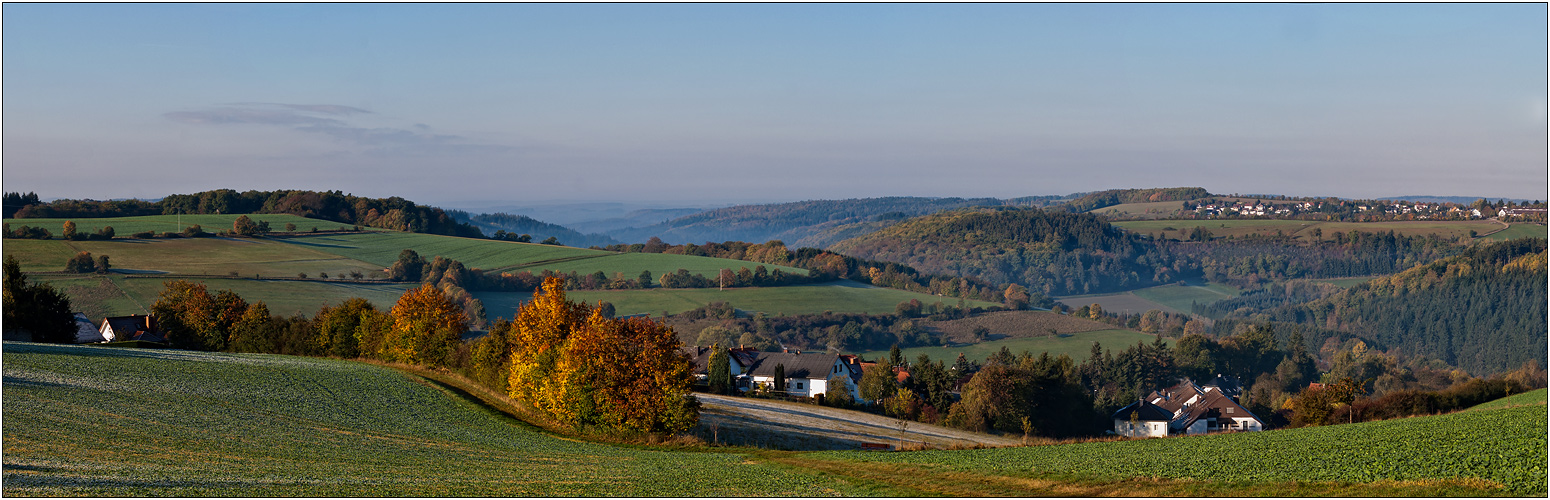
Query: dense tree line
x=1093, y=201
x=388, y=213
x=838, y=332
x=789, y=221
x=1476, y=310
x=36, y=308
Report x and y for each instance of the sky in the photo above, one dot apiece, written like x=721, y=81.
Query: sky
x=689, y=104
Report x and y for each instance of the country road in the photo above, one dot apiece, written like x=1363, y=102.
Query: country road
x=798, y=426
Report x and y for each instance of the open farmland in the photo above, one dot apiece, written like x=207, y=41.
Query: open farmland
x=1534, y=397
x=382, y=248
x=211, y=256
x=125, y=226
x=94, y=421
x=1480, y=452
x=1302, y=229
x=1181, y=297
x=96, y=296
x=1076, y=345
x=1125, y=302
x=284, y=298
x=839, y=296
x=1520, y=230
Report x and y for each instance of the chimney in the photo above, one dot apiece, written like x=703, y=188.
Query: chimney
x=786, y=350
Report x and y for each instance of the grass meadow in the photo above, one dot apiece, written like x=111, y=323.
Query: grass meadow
x=1520, y=230
x=125, y=226
x=96, y=421
x=1181, y=298
x=1076, y=345
x=840, y=297
x=1126, y=302
x=1500, y=452
x=284, y=298
x=214, y=256
x=1534, y=397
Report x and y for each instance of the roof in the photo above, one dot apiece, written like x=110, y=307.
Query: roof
x=810, y=365
x=1145, y=412
x=1189, y=403
x=133, y=327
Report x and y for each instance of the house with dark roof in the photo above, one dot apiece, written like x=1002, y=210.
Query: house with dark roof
x=132, y=327
x=807, y=374
x=1142, y=419
x=85, y=331
x=738, y=361
x=1199, y=410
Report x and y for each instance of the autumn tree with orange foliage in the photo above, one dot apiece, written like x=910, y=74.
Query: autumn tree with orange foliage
x=427, y=328
x=584, y=368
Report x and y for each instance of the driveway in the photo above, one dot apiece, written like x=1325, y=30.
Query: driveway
x=788, y=425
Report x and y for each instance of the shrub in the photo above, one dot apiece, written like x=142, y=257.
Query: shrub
x=81, y=263
x=145, y=235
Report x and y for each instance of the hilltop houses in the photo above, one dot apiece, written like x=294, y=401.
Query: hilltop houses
x=133, y=327
x=1187, y=409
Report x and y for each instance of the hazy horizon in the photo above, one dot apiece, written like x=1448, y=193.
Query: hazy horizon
x=694, y=104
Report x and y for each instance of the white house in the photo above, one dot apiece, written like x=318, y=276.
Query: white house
x=807, y=375
x=1198, y=410
x=1142, y=419
x=132, y=327
x=85, y=331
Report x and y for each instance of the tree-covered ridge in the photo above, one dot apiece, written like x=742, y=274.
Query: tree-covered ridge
x=1048, y=251
x=1482, y=310
x=1120, y=196
x=536, y=229
x=797, y=220
x=388, y=213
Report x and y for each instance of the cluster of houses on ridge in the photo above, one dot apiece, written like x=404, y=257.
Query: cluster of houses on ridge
x=1186, y=409
x=1419, y=211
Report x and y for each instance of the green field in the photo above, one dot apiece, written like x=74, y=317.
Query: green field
x=211, y=256
x=95, y=421
x=1076, y=345
x=119, y=295
x=1221, y=228
x=1181, y=298
x=1125, y=303
x=125, y=226
x=1504, y=448
x=840, y=297
x=1520, y=230
x=1534, y=397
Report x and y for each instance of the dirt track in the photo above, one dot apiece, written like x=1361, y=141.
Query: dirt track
x=798, y=426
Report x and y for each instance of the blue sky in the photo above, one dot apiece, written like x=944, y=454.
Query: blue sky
x=681, y=103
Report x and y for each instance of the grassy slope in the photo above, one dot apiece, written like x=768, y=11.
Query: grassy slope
x=844, y=296
x=217, y=256
x=1520, y=230
x=125, y=226
x=1534, y=397
x=1504, y=448
x=1180, y=298
x=1076, y=345
x=93, y=421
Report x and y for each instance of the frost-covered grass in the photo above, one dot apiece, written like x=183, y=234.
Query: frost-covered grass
x=94, y=421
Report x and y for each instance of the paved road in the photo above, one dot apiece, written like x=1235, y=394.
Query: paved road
x=799, y=426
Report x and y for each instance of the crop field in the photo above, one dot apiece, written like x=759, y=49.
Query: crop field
x=284, y=298
x=1520, y=230
x=840, y=297
x=1303, y=229
x=1076, y=345
x=218, y=256
x=1534, y=397
x=1491, y=452
x=94, y=421
x=1128, y=303
x=1180, y=298
x=125, y=226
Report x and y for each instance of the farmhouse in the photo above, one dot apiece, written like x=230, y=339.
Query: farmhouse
x=738, y=361
x=1142, y=419
x=132, y=327
x=85, y=331
x=1198, y=410
x=807, y=375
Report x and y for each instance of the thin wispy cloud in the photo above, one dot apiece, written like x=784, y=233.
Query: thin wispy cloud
x=333, y=120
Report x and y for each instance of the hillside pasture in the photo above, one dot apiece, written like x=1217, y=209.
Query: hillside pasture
x=1520, y=230
x=1013, y=324
x=1498, y=452
x=1126, y=303
x=96, y=296
x=382, y=248
x=629, y=265
x=1534, y=397
x=1180, y=298
x=213, y=256
x=94, y=421
x=840, y=297
x=1076, y=345
x=125, y=226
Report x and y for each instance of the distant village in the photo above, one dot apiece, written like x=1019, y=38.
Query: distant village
x=1362, y=211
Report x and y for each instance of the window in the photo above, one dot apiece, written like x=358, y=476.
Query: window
x=799, y=385
x=1229, y=409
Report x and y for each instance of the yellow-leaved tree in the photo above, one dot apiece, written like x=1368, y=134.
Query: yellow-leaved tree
x=584, y=368
x=427, y=328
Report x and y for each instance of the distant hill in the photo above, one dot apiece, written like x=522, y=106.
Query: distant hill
x=1483, y=310
x=1112, y=197
x=539, y=230
x=820, y=220
x=1462, y=200
x=634, y=218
